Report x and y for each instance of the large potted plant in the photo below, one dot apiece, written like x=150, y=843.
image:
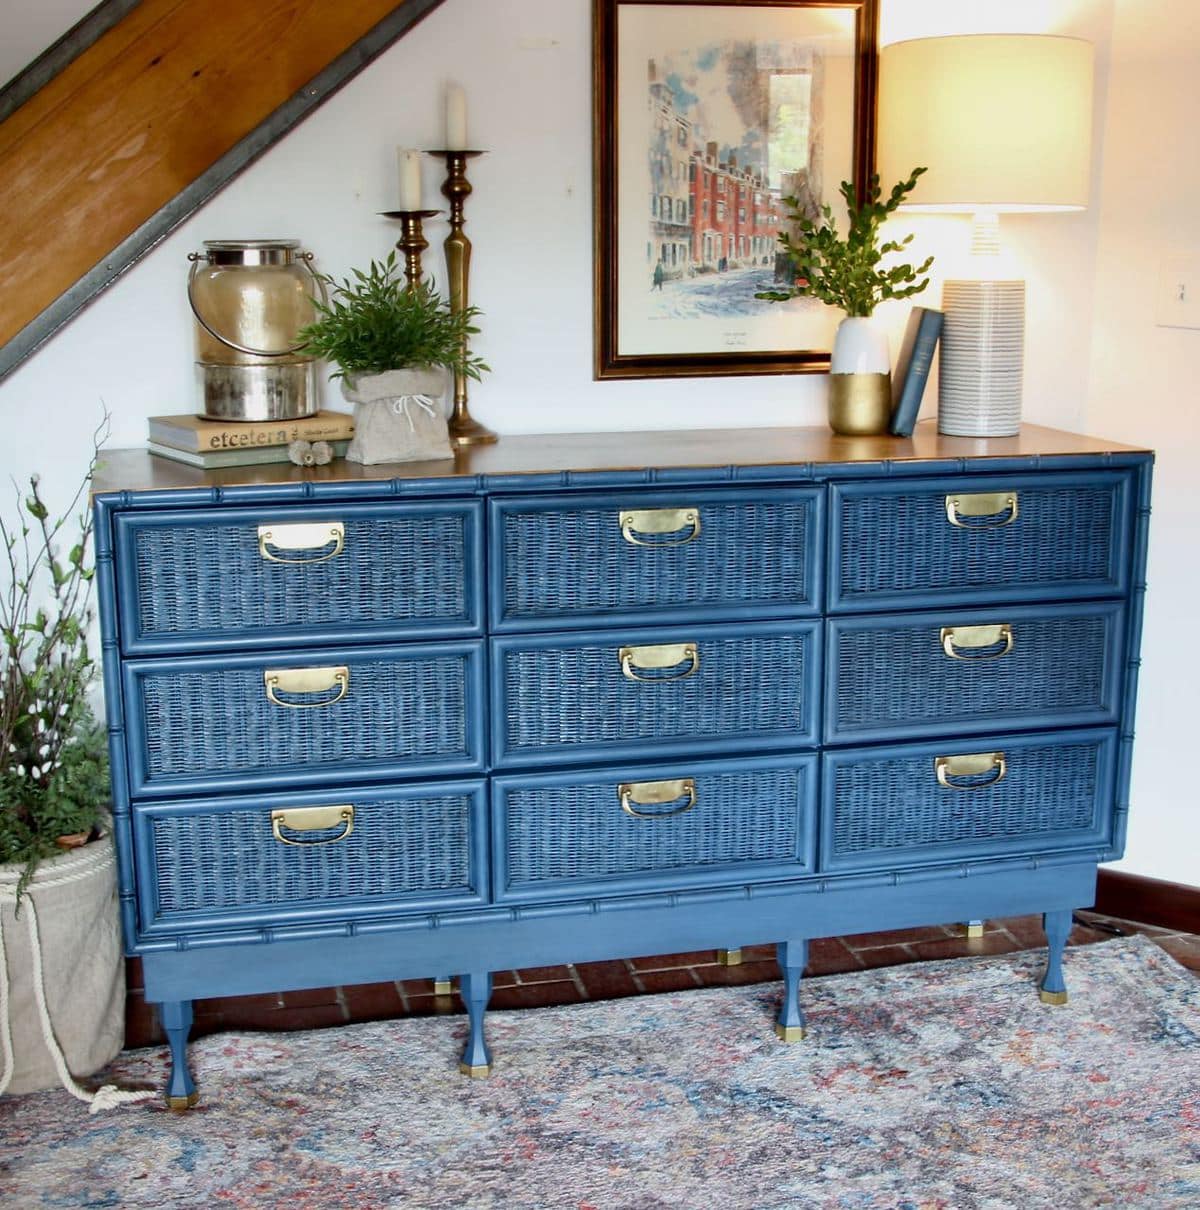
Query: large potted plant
x=394, y=343
x=63, y=970
x=853, y=272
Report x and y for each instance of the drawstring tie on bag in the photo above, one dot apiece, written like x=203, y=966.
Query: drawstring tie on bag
x=424, y=402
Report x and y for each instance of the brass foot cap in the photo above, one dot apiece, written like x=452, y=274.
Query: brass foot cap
x=179, y=1104
x=1052, y=997
x=441, y=987
x=729, y=957
x=789, y=1033
x=477, y=1071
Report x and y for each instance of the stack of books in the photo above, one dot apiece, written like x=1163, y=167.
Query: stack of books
x=200, y=441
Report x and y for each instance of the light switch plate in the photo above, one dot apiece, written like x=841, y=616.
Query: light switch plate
x=1177, y=297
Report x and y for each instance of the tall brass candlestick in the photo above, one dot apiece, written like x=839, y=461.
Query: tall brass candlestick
x=464, y=430
x=412, y=241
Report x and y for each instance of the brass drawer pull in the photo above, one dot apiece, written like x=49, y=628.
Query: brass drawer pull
x=306, y=680
x=312, y=819
x=957, y=639
x=971, y=765
x=311, y=536
x=660, y=521
x=666, y=655
x=650, y=793
x=1001, y=506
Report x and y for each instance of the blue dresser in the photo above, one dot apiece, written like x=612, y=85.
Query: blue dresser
x=580, y=697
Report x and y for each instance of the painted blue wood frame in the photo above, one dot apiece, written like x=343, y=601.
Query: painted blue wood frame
x=599, y=908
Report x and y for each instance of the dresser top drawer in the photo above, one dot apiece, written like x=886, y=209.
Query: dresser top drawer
x=671, y=555
x=979, y=537
x=216, y=579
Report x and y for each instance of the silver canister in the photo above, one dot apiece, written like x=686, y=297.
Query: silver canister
x=250, y=298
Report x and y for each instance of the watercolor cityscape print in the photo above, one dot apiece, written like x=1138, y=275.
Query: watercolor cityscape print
x=735, y=127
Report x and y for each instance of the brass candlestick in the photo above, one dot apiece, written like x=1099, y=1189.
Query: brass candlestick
x=464, y=430
x=412, y=241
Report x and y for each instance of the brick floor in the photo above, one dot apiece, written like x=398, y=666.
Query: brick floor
x=541, y=986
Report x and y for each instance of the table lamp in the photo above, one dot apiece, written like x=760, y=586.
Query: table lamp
x=1003, y=122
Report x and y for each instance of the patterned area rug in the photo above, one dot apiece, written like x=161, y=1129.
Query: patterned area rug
x=942, y=1084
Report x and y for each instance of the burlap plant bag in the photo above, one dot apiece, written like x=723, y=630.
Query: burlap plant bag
x=398, y=416
x=78, y=926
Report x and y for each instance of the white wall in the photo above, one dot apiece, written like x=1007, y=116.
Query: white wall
x=526, y=65
x=1143, y=389
x=28, y=27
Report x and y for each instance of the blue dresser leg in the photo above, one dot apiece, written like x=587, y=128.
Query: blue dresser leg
x=793, y=955
x=1053, y=989
x=476, y=991
x=177, y=1021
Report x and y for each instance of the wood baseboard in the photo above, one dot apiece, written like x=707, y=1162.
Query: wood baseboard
x=1171, y=905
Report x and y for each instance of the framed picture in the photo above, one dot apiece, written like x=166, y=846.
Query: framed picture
x=707, y=115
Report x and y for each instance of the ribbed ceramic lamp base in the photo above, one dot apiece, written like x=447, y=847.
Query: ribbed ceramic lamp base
x=982, y=360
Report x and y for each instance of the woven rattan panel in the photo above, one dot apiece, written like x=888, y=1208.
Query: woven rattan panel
x=748, y=685
x=579, y=831
x=904, y=542
x=895, y=803
x=220, y=721
x=212, y=577
x=576, y=561
x=901, y=674
x=231, y=859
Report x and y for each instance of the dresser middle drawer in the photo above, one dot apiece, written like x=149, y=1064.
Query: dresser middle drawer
x=620, y=692
x=215, y=723
x=912, y=674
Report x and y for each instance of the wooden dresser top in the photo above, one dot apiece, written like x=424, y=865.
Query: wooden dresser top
x=138, y=470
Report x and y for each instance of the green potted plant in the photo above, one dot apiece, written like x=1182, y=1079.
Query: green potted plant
x=394, y=343
x=58, y=891
x=849, y=272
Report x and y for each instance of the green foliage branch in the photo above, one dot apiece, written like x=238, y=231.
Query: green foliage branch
x=54, y=778
x=375, y=321
x=846, y=272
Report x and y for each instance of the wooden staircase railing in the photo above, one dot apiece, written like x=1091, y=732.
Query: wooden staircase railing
x=146, y=123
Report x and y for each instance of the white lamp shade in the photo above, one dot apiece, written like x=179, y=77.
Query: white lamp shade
x=1003, y=122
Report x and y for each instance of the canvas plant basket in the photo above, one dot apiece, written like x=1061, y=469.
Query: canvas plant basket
x=78, y=935
x=398, y=416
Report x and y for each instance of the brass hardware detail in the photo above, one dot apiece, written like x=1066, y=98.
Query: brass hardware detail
x=1052, y=997
x=970, y=638
x=182, y=1104
x=313, y=819
x=973, y=929
x=649, y=793
x=729, y=957
x=441, y=987
x=789, y=1033
x=982, y=504
x=970, y=765
x=659, y=521
x=313, y=535
x=476, y=1071
x=666, y=655
x=306, y=680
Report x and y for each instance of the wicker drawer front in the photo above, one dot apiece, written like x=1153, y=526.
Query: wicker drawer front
x=572, y=835
x=673, y=556
x=976, y=538
x=228, y=578
x=927, y=673
x=224, y=722
x=885, y=808
x=615, y=692
x=230, y=858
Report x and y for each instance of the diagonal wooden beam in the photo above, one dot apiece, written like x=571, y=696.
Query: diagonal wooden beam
x=141, y=128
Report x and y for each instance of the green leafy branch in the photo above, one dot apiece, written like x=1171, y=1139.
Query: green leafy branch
x=375, y=321
x=847, y=272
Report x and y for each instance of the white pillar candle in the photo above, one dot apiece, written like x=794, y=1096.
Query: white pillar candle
x=410, y=179
x=456, y=118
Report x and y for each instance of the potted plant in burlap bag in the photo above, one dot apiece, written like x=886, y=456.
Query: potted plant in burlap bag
x=62, y=975
x=394, y=343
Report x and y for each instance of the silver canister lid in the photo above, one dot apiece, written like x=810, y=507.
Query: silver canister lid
x=250, y=251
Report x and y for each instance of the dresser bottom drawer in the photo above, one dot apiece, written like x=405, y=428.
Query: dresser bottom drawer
x=920, y=804
x=275, y=859
x=687, y=823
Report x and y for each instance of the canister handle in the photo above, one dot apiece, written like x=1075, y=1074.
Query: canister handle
x=196, y=258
